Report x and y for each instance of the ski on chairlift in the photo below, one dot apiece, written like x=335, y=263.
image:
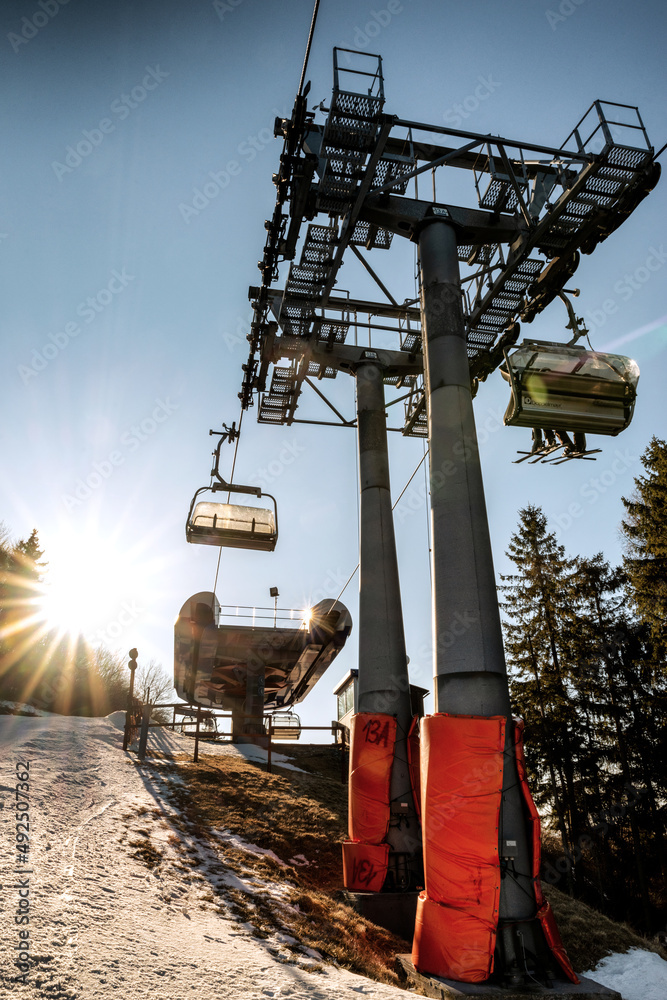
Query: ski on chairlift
x=229, y=525
x=563, y=392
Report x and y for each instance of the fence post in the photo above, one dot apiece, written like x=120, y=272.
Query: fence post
x=196, y=756
x=143, y=738
x=268, y=752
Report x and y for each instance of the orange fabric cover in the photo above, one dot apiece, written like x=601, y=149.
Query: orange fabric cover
x=413, y=765
x=364, y=866
x=452, y=943
x=372, y=739
x=544, y=911
x=462, y=777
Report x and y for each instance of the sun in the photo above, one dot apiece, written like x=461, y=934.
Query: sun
x=87, y=585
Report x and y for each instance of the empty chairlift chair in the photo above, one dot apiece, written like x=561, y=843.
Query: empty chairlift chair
x=285, y=726
x=232, y=525
x=567, y=388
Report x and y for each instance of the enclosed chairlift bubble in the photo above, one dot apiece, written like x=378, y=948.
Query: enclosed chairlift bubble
x=558, y=389
x=231, y=525
x=570, y=388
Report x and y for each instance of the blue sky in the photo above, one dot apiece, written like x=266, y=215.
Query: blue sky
x=125, y=310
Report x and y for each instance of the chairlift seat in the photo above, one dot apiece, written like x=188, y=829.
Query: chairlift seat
x=233, y=526
x=285, y=726
x=569, y=388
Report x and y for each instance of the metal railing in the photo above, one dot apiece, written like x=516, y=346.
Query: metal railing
x=264, y=723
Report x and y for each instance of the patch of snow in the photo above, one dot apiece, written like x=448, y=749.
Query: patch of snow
x=636, y=975
x=233, y=840
x=19, y=706
x=249, y=751
x=300, y=861
x=117, y=719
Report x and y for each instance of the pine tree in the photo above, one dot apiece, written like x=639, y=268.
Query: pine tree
x=540, y=608
x=645, y=530
x=20, y=632
x=606, y=683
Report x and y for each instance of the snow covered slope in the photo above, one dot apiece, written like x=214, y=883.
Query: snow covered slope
x=100, y=921
x=111, y=900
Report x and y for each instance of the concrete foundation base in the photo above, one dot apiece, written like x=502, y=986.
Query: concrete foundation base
x=447, y=989
x=395, y=911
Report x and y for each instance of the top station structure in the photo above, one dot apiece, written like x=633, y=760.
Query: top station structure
x=464, y=833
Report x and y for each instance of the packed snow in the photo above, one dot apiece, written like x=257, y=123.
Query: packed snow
x=84, y=916
x=100, y=922
x=637, y=975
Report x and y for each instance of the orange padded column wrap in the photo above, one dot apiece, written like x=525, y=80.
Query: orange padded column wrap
x=364, y=866
x=372, y=739
x=462, y=777
x=365, y=854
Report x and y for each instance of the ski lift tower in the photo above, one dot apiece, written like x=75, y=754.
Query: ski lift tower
x=536, y=208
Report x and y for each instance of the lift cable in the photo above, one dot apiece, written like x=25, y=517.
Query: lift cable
x=309, y=43
x=394, y=505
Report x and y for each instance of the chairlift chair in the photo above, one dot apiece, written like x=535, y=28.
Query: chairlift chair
x=567, y=388
x=231, y=525
x=285, y=726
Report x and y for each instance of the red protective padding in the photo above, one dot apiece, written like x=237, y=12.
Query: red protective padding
x=372, y=739
x=462, y=778
x=544, y=911
x=414, y=765
x=364, y=866
x=452, y=943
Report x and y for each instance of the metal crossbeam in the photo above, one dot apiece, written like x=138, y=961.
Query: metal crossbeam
x=533, y=199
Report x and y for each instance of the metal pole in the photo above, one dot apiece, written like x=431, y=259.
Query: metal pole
x=268, y=748
x=143, y=736
x=469, y=661
x=196, y=753
x=383, y=683
x=132, y=664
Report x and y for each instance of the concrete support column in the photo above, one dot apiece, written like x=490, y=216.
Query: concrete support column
x=246, y=729
x=383, y=681
x=469, y=661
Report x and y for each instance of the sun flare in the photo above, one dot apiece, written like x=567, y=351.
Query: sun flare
x=86, y=584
